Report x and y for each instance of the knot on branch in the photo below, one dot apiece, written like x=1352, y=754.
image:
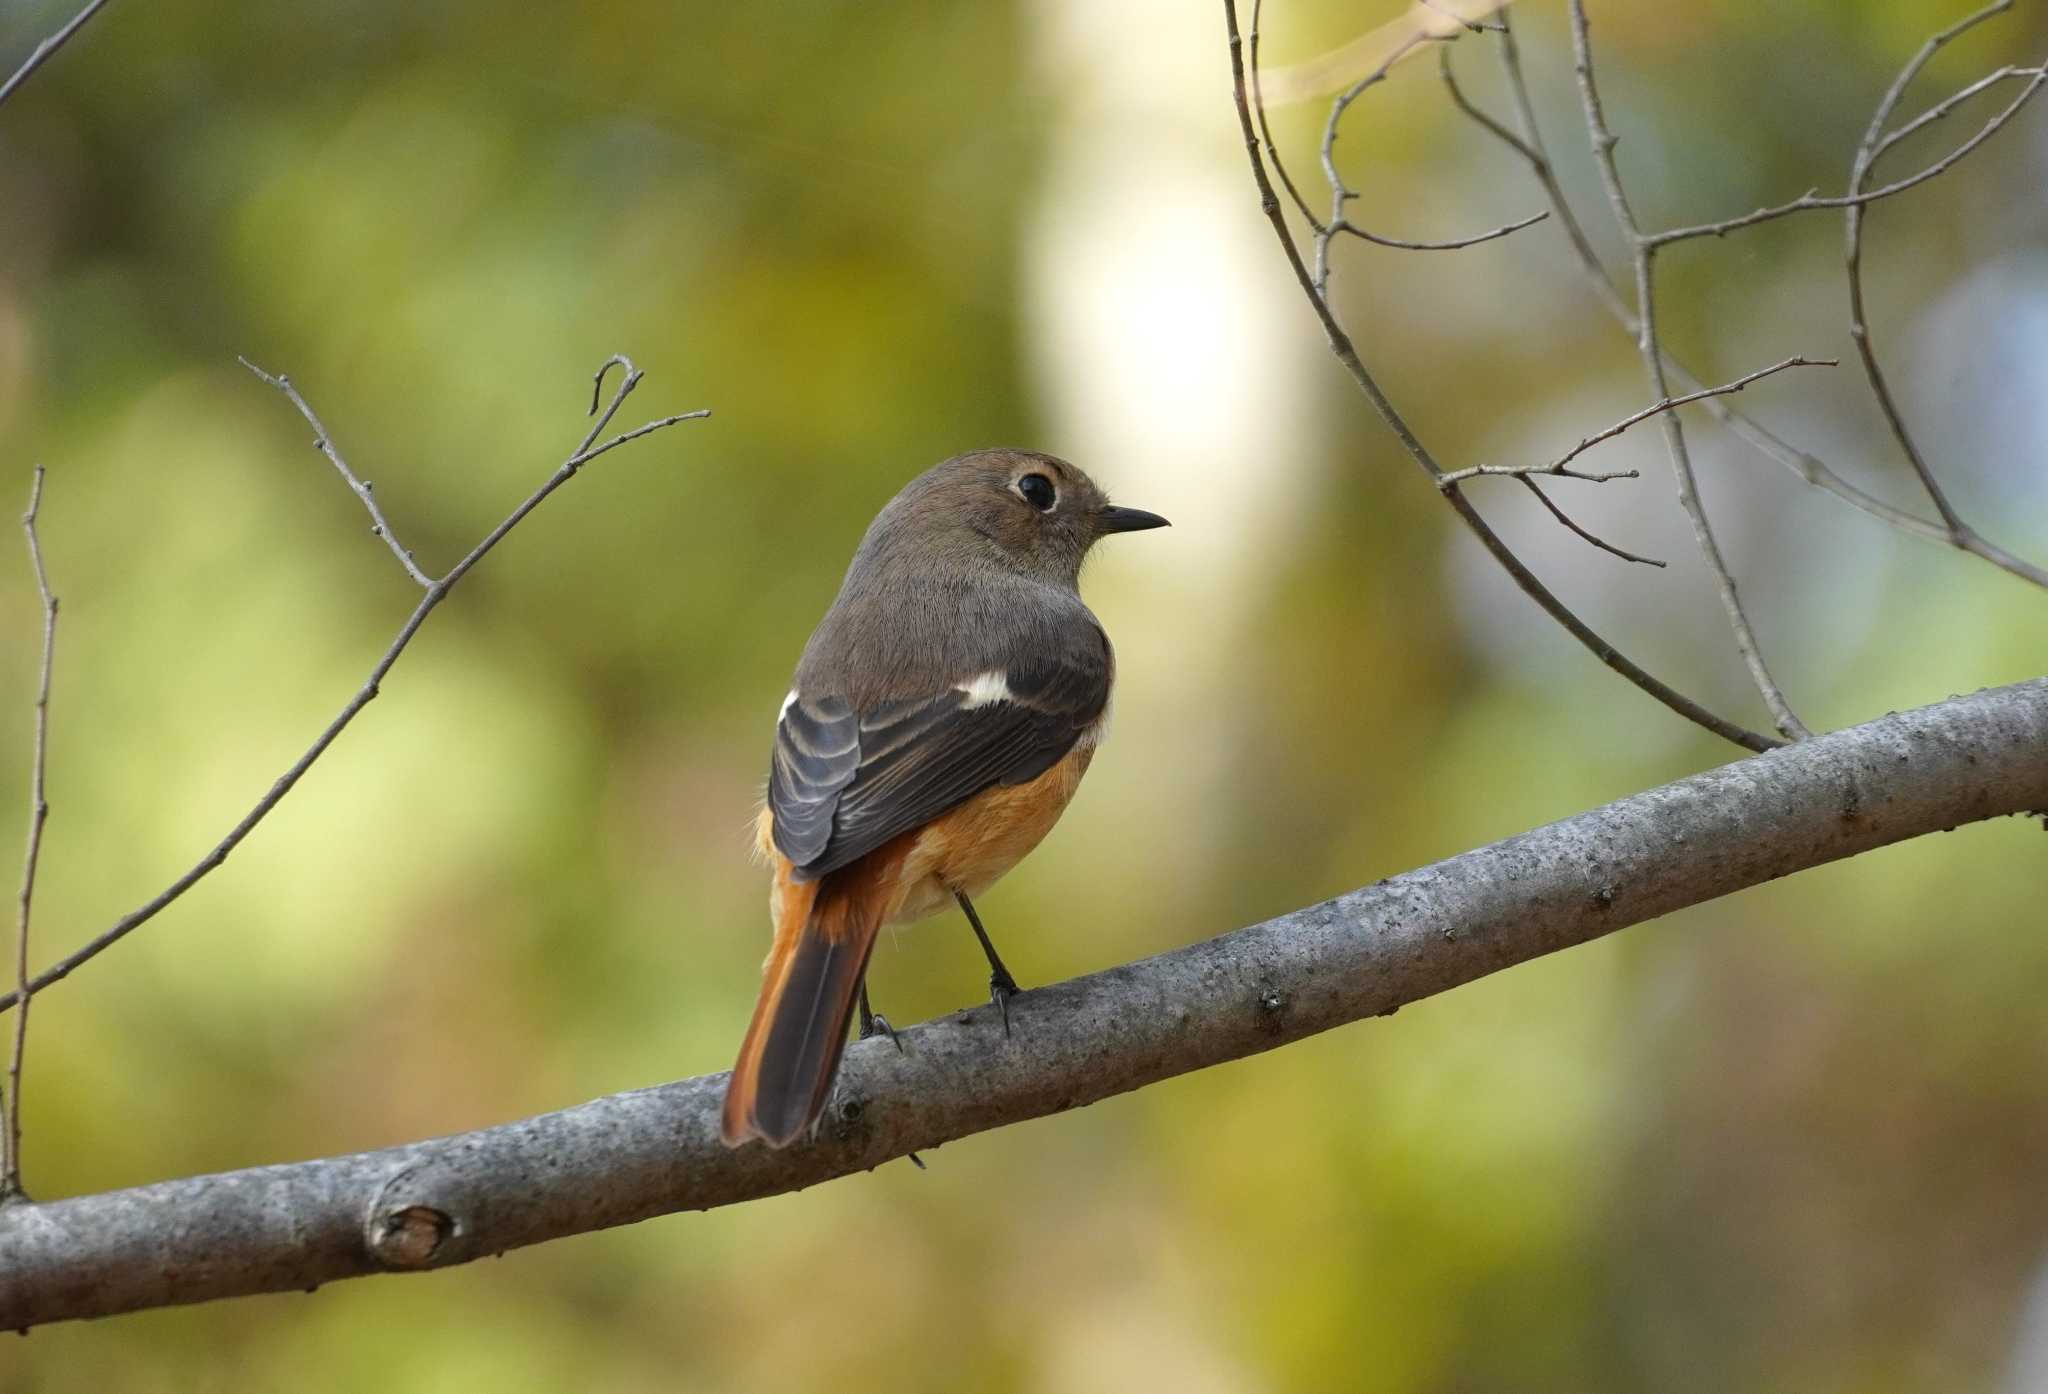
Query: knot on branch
x=409, y=1237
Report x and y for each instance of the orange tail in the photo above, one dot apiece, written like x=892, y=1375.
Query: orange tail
x=824, y=931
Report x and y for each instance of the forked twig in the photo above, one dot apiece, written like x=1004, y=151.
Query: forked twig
x=1872, y=148
x=1802, y=464
x=1559, y=466
x=1642, y=250
x=1342, y=194
x=1566, y=519
x=1857, y=198
x=1347, y=355
x=436, y=591
x=38, y=814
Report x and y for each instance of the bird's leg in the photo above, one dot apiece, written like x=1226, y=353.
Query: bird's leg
x=1001, y=986
x=873, y=1023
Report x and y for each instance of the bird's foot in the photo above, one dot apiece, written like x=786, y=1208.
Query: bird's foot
x=1001, y=988
x=875, y=1024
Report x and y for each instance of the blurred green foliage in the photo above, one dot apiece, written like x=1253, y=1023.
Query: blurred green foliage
x=1793, y=1140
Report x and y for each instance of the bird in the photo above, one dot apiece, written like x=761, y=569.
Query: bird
x=940, y=719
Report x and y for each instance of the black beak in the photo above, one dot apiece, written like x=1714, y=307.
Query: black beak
x=1111, y=520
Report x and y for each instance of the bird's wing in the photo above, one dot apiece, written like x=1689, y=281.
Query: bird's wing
x=844, y=781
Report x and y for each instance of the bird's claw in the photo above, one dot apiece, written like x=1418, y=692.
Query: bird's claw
x=875, y=1024
x=1001, y=988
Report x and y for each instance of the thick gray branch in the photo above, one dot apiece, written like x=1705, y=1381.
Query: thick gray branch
x=653, y=1151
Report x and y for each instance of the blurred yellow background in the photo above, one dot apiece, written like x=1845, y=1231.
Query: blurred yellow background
x=1790, y=1141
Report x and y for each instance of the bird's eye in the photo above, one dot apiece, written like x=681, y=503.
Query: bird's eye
x=1038, y=492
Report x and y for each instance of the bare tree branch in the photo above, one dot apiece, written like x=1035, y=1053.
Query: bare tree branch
x=1855, y=199
x=1266, y=130
x=1342, y=193
x=1807, y=467
x=436, y=592
x=1642, y=251
x=1566, y=519
x=42, y=51
x=38, y=814
x=1873, y=146
x=1559, y=465
x=1555, y=468
x=324, y=443
x=1347, y=355
x=650, y=1152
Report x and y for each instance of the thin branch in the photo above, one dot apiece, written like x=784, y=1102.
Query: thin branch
x=1451, y=479
x=1566, y=519
x=1948, y=105
x=1941, y=39
x=1669, y=403
x=1347, y=355
x=1266, y=130
x=47, y=47
x=1474, y=112
x=1803, y=465
x=38, y=814
x=631, y=1156
x=1342, y=193
x=1860, y=198
x=1558, y=467
x=435, y=594
x=324, y=443
x=1643, y=250
x=1868, y=152
x=1454, y=244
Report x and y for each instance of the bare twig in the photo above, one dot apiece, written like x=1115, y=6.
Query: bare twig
x=1726, y=389
x=38, y=814
x=1861, y=199
x=324, y=443
x=1342, y=193
x=1453, y=244
x=1566, y=519
x=1642, y=253
x=1807, y=467
x=1948, y=105
x=42, y=51
x=1347, y=355
x=1266, y=130
x=627, y=1157
x=1868, y=152
x=437, y=591
x=1558, y=467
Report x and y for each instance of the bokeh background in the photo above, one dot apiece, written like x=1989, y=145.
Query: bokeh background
x=1794, y=1140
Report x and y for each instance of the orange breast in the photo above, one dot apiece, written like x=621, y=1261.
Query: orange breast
x=969, y=847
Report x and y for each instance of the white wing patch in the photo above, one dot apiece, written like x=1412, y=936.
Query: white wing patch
x=984, y=689
x=787, y=703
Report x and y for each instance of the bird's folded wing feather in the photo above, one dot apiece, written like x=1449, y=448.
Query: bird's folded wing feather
x=844, y=781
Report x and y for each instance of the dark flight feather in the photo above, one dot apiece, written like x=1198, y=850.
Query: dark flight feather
x=843, y=782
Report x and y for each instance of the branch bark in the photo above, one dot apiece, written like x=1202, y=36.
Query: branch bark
x=650, y=1152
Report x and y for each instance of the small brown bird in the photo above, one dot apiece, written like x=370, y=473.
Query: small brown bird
x=942, y=716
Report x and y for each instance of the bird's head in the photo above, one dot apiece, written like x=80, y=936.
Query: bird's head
x=1031, y=513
